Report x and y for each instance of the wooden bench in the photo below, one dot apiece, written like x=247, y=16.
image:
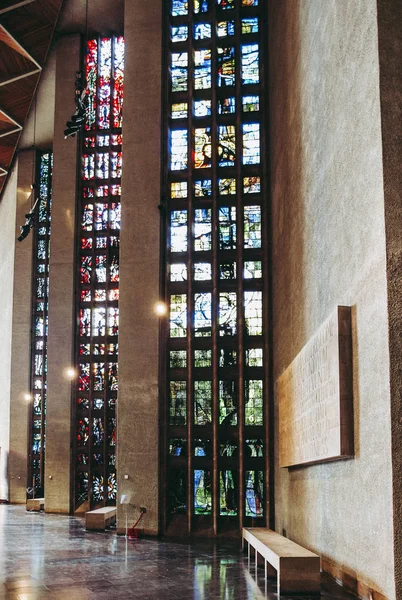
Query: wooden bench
x=100, y=518
x=36, y=504
x=297, y=569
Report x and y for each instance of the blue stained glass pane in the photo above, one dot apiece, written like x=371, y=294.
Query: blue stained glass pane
x=180, y=33
x=250, y=64
x=202, y=6
x=202, y=69
x=202, y=315
x=226, y=66
x=179, y=71
x=254, y=494
x=178, y=231
x=179, y=7
x=227, y=228
x=202, y=188
x=225, y=28
x=251, y=143
x=252, y=227
x=202, y=31
x=178, y=149
x=202, y=229
x=202, y=492
x=202, y=108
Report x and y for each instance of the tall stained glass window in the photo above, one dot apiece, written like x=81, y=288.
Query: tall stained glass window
x=97, y=279
x=39, y=326
x=216, y=266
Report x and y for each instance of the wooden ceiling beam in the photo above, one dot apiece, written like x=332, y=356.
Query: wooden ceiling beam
x=7, y=38
x=17, y=77
x=14, y=6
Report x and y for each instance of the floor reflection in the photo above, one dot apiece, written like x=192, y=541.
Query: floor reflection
x=52, y=557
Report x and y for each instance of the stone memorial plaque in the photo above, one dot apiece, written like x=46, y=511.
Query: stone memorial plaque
x=316, y=397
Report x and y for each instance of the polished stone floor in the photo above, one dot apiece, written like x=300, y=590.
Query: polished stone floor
x=52, y=557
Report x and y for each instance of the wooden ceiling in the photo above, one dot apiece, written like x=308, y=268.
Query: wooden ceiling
x=26, y=31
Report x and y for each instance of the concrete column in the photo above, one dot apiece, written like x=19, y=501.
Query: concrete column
x=20, y=349
x=7, y=252
x=390, y=54
x=61, y=294
x=137, y=413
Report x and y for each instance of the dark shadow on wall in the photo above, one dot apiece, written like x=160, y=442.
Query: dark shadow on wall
x=287, y=209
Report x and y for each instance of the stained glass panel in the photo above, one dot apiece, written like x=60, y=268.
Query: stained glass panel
x=202, y=108
x=202, y=492
x=227, y=313
x=39, y=325
x=179, y=71
x=177, y=402
x=254, y=493
x=229, y=490
x=227, y=227
x=202, y=314
x=202, y=147
x=178, y=315
x=202, y=402
x=202, y=69
x=178, y=231
x=209, y=283
x=178, y=149
x=226, y=145
x=202, y=229
x=97, y=285
x=252, y=227
x=202, y=31
x=253, y=313
x=226, y=67
x=227, y=403
x=254, y=402
x=225, y=28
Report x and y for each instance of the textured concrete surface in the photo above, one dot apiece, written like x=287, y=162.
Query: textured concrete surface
x=61, y=293
x=21, y=350
x=328, y=249
x=390, y=52
x=137, y=410
x=7, y=251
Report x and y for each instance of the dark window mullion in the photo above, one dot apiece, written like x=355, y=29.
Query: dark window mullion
x=239, y=253
x=215, y=278
x=190, y=290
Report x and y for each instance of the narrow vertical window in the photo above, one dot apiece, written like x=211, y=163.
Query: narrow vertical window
x=39, y=327
x=97, y=281
x=216, y=266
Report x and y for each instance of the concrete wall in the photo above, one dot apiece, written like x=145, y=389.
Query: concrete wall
x=7, y=250
x=328, y=249
x=390, y=52
x=61, y=292
x=21, y=339
x=137, y=409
